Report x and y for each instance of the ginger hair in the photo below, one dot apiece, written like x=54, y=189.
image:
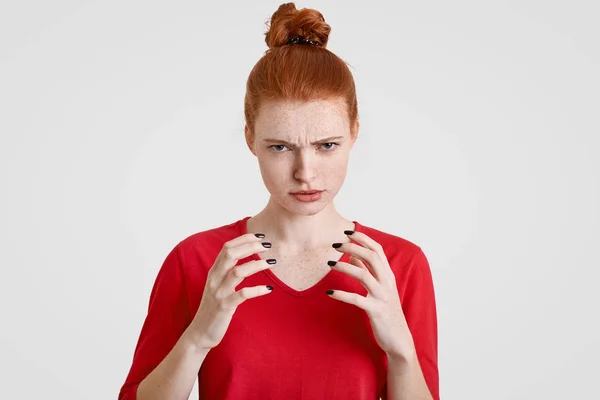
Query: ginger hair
x=298, y=72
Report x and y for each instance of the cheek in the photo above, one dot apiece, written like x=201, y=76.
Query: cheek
x=272, y=170
x=335, y=168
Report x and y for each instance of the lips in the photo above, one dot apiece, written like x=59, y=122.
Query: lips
x=307, y=192
x=307, y=196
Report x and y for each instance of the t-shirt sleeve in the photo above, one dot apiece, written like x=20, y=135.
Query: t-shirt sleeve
x=419, y=306
x=167, y=318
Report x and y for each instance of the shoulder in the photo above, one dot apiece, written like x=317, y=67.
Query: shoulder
x=393, y=245
x=191, y=258
x=207, y=243
x=402, y=254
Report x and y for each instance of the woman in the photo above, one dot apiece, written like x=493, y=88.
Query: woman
x=296, y=302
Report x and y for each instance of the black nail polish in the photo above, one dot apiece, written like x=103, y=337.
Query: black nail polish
x=329, y=291
x=337, y=245
x=259, y=235
x=331, y=263
x=270, y=287
x=348, y=232
x=266, y=244
x=271, y=261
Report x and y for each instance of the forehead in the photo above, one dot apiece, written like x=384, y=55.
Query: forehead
x=293, y=119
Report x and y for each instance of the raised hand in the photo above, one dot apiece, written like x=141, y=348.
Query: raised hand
x=220, y=300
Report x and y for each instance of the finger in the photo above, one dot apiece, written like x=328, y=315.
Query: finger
x=368, y=256
x=246, y=238
x=232, y=252
x=358, y=263
x=354, y=299
x=237, y=298
x=368, y=242
x=365, y=240
x=363, y=275
x=237, y=274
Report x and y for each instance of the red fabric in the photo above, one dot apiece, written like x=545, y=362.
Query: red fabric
x=287, y=344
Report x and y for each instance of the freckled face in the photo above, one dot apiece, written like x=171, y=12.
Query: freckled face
x=302, y=146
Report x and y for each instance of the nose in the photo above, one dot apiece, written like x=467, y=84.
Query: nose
x=304, y=166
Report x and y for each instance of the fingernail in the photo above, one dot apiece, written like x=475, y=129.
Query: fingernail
x=270, y=287
x=348, y=232
x=329, y=291
x=331, y=263
x=337, y=245
x=259, y=235
x=266, y=244
x=271, y=261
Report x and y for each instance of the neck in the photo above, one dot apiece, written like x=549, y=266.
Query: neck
x=296, y=233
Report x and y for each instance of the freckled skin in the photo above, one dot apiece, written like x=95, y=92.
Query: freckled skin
x=300, y=165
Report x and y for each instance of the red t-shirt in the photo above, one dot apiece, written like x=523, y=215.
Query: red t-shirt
x=287, y=344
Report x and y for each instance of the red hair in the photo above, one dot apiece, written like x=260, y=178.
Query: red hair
x=298, y=71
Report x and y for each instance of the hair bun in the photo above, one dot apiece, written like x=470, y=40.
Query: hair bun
x=287, y=22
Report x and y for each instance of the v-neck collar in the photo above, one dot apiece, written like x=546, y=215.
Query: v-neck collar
x=298, y=293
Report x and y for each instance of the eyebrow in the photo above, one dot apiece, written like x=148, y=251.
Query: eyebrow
x=325, y=140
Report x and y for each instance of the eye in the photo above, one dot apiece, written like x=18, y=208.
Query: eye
x=330, y=145
x=277, y=148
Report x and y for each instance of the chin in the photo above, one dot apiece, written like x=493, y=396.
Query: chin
x=306, y=211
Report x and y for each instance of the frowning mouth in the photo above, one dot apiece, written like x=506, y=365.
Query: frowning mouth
x=307, y=192
x=307, y=196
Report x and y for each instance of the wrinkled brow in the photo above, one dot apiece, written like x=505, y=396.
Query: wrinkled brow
x=324, y=140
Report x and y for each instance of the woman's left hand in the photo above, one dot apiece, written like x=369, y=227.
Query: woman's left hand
x=370, y=266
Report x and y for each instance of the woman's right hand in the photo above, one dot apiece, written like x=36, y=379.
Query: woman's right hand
x=220, y=300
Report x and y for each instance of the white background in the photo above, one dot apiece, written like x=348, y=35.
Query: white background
x=121, y=127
